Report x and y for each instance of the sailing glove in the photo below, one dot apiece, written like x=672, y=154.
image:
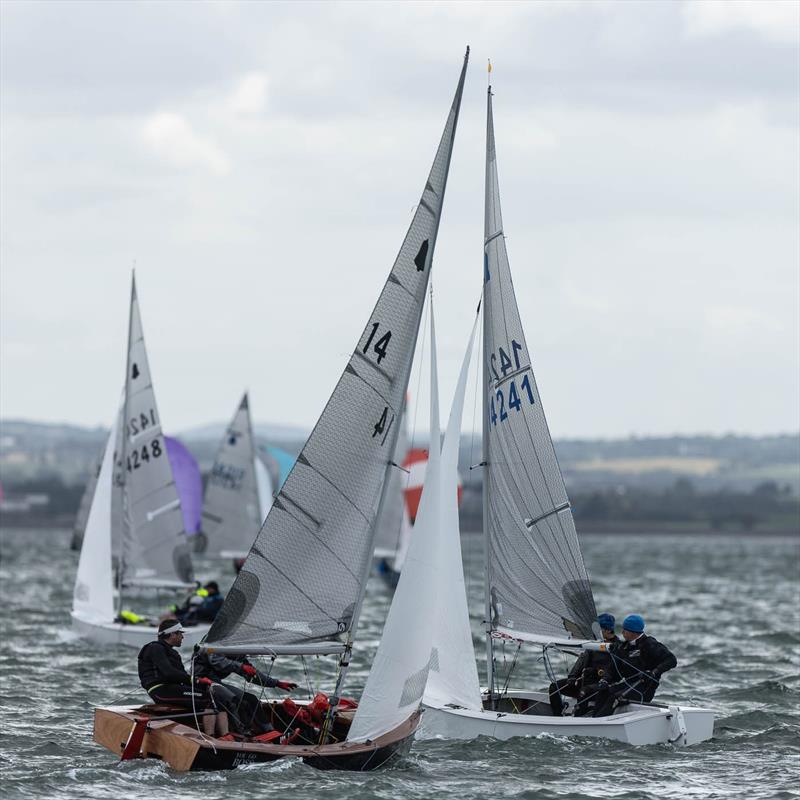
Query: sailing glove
x=249, y=671
x=287, y=686
x=205, y=682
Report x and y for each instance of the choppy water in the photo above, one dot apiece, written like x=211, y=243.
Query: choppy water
x=727, y=606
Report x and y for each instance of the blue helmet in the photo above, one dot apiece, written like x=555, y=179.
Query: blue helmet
x=606, y=621
x=633, y=623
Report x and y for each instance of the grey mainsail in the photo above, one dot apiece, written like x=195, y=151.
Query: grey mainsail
x=390, y=523
x=304, y=577
x=231, y=509
x=154, y=546
x=537, y=583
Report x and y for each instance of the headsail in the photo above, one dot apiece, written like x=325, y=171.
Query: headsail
x=231, y=509
x=93, y=597
x=82, y=516
x=154, y=545
x=537, y=581
x=400, y=668
x=304, y=578
x=453, y=678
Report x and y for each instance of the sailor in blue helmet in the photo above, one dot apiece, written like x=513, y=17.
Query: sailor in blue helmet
x=588, y=670
x=639, y=662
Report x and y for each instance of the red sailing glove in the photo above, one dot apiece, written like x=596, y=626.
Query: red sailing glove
x=287, y=686
x=205, y=682
x=249, y=671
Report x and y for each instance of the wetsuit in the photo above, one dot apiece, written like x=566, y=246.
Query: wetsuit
x=245, y=712
x=587, y=671
x=199, y=608
x=638, y=667
x=164, y=678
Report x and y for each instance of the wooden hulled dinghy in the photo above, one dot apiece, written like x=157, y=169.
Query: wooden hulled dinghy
x=169, y=734
x=300, y=590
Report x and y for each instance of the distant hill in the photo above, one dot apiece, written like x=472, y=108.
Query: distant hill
x=31, y=449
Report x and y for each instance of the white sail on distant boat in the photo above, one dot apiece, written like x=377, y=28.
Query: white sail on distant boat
x=238, y=492
x=537, y=587
x=302, y=585
x=135, y=510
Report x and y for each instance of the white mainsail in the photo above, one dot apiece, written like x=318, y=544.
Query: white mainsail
x=154, y=545
x=232, y=504
x=303, y=581
x=264, y=487
x=93, y=597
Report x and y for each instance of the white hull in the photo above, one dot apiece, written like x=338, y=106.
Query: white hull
x=130, y=635
x=636, y=724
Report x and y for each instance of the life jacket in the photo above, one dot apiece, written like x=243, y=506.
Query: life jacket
x=129, y=618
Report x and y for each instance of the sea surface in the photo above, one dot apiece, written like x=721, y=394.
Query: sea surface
x=728, y=606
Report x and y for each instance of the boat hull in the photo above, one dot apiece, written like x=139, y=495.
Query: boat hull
x=112, y=633
x=635, y=724
x=184, y=748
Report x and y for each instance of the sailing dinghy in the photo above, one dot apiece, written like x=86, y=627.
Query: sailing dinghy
x=136, y=511
x=301, y=588
x=238, y=492
x=537, y=587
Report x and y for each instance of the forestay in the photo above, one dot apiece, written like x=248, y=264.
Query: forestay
x=304, y=576
x=93, y=596
x=453, y=678
x=155, y=548
x=400, y=668
x=231, y=508
x=537, y=580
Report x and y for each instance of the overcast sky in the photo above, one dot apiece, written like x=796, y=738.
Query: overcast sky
x=260, y=162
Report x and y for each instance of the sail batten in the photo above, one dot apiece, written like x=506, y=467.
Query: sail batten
x=537, y=583
x=337, y=484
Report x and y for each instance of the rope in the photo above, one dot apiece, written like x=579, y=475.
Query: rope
x=194, y=709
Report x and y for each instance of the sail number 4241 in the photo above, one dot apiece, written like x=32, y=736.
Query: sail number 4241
x=515, y=396
x=514, y=400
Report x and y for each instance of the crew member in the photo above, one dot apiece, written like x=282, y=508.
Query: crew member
x=245, y=712
x=588, y=670
x=164, y=678
x=639, y=662
x=202, y=606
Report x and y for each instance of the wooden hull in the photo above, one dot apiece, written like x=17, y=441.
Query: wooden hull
x=183, y=747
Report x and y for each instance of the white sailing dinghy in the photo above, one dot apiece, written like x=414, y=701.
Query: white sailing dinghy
x=301, y=588
x=238, y=492
x=537, y=588
x=139, y=507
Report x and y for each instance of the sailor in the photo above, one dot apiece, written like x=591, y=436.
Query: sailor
x=202, y=606
x=588, y=670
x=164, y=678
x=245, y=712
x=639, y=662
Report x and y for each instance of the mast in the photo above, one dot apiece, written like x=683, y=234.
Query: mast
x=123, y=459
x=485, y=433
x=395, y=435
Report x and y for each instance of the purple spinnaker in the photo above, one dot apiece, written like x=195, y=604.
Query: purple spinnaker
x=188, y=482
